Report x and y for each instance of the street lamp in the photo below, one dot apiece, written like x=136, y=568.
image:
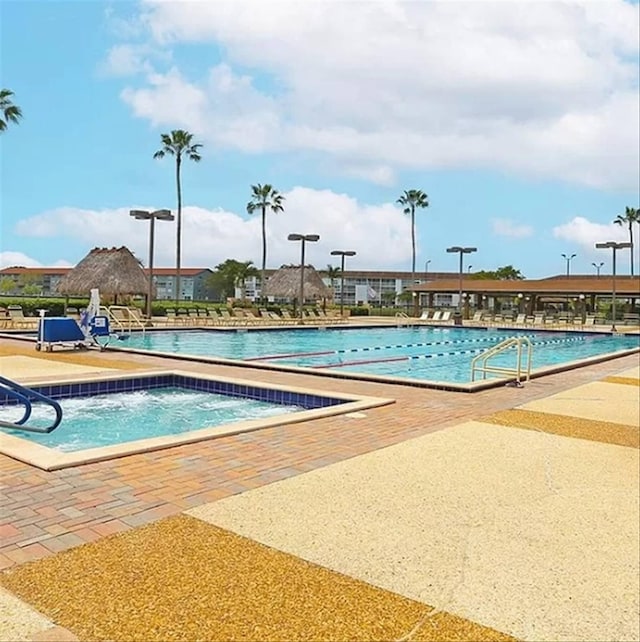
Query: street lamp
x=469, y=269
x=568, y=258
x=426, y=268
x=614, y=247
x=598, y=267
x=462, y=251
x=143, y=215
x=342, y=254
x=303, y=238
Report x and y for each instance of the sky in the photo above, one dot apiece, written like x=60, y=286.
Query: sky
x=519, y=120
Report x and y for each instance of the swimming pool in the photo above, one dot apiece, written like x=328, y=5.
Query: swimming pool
x=127, y=414
x=416, y=354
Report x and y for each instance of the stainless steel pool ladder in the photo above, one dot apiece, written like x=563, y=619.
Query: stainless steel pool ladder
x=524, y=349
x=24, y=395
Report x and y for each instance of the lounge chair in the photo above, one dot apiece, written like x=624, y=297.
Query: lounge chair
x=446, y=316
x=437, y=315
x=18, y=320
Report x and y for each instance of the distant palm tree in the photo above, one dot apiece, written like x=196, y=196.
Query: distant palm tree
x=333, y=274
x=410, y=200
x=179, y=143
x=9, y=113
x=631, y=215
x=263, y=198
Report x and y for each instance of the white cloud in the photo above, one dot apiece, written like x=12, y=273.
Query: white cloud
x=19, y=259
x=211, y=236
x=130, y=59
x=505, y=227
x=546, y=89
x=585, y=233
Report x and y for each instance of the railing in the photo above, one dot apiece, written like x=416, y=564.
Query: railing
x=25, y=395
x=403, y=319
x=524, y=349
x=122, y=317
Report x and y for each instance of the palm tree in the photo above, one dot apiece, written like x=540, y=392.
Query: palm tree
x=263, y=198
x=179, y=143
x=333, y=273
x=9, y=113
x=410, y=200
x=631, y=215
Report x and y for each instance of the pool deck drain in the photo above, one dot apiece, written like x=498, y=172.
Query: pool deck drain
x=467, y=541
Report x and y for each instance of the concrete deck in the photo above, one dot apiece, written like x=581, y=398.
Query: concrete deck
x=458, y=528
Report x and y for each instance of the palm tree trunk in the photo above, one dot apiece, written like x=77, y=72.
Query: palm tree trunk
x=178, y=229
x=631, y=248
x=264, y=253
x=413, y=244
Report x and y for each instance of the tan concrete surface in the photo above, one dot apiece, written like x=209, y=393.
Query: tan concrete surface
x=529, y=533
x=599, y=401
x=19, y=368
x=18, y=621
x=633, y=373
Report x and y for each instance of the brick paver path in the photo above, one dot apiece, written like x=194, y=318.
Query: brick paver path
x=45, y=512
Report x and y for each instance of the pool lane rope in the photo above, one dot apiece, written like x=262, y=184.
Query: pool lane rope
x=433, y=355
x=324, y=353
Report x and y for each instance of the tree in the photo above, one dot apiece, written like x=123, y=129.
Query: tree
x=263, y=198
x=9, y=113
x=7, y=285
x=631, y=215
x=333, y=273
x=179, y=143
x=410, y=200
x=505, y=273
x=231, y=274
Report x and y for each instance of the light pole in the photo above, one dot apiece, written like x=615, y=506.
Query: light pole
x=342, y=254
x=568, y=258
x=614, y=247
x=303, y=238
x=143, y=215
x=426, y=268
x=462, y=251
x=598, y=267
x=469, y=269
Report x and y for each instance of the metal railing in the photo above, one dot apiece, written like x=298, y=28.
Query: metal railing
x=122, y=317
x=25, y=395
x=524, y=350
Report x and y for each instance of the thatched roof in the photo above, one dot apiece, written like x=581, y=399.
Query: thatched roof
x=285, y=283
x=113, y=271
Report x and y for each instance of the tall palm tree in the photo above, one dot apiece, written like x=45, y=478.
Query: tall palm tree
x=9, y=113
x=631, y=215
x=410, y=200
x=263, y=198
x=179, y=143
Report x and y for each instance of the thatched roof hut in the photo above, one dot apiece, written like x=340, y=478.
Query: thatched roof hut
x=285, y=284
x=114, y=271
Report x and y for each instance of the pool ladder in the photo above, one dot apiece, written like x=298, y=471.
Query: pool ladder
x=12, y=390
x=524, y=349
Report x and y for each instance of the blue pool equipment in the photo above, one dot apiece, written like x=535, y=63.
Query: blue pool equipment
x=13, y=391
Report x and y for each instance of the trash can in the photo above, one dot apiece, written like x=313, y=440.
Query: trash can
x=457, y=318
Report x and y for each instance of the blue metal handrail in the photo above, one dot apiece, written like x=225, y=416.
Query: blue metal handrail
x=25, y=395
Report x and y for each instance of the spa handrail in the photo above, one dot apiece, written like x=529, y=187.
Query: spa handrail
x=25, y=395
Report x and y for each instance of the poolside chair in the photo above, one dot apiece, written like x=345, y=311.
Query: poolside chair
x=18, y=320
x=477, y=317
x=521, y=319
x=446, y=317
x=538, y=318
x=437, y=315
x=424, y=316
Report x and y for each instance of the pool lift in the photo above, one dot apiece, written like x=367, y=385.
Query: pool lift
x=91, y=331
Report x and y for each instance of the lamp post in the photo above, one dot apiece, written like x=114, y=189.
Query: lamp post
x=469, y=269
x=598, y=267
x=303, y=238
x=614, y=247
x=426, y=268
x=568, y=258
x=143, y=215
x=342, y=254
x=462, y=251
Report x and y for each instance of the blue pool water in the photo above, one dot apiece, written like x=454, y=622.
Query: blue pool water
x=104, y=420
x=419, y=352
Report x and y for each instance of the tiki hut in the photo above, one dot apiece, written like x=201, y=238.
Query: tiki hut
x=285, y=284
x=114, y=271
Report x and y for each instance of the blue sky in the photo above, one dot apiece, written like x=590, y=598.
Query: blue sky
x=524, y=134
